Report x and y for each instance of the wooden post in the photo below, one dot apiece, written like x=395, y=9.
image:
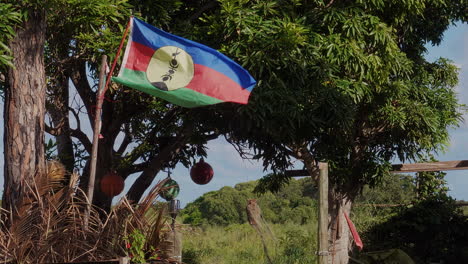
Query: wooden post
x=97, y=128
x=102, y=88
x=124, y=260
x=96, y=131
x=323, y=214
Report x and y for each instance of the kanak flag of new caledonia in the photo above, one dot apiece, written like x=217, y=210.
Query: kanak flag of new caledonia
x=179, y=70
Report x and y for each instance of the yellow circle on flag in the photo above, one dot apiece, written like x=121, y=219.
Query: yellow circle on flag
x=170, y=68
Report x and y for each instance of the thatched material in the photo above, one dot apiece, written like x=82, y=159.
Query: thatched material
x=48, y=226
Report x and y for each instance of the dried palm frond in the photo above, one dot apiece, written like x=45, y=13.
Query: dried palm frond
x=48, y=225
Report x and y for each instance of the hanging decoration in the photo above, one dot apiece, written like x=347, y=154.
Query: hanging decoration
x=112, y=184
x=201, y=172
x=169, y=190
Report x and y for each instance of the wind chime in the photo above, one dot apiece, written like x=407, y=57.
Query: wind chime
x=169, y=191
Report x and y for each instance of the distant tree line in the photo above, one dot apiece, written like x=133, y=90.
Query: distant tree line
x=293, y=203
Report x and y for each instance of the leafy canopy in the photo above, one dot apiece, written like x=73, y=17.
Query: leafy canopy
x=345, y=82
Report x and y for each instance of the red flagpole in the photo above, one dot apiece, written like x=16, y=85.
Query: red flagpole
x=118, y=54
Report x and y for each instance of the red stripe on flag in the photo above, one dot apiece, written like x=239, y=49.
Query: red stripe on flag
x=139, y=57
x=215, y=84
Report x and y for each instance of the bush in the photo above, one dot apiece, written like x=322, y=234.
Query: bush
x=432, y=230
x=293, y=203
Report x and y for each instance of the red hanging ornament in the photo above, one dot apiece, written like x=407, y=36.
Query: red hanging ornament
x=112, y=184
x=201, y=172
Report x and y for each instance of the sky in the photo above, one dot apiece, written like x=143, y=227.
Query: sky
x=230, y=169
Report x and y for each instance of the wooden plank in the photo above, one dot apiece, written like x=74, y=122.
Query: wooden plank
x=323, y=214
x=298, y=173
x=431, y=166
x=460, y=203
x=407, y=167
x=381, y=205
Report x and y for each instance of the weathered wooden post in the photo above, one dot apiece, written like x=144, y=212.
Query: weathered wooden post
x=97, y=129
x=323, y=214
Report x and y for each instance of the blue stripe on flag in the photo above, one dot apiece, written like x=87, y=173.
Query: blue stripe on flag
x=155, y=38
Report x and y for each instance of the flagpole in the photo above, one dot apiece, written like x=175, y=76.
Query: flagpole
x=102, y=88
x=122, y=41
x=96, y=131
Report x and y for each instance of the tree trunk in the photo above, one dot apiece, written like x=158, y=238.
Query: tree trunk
x=157, y=163
x=24, y=109
x=58, y=110
x=338, y=231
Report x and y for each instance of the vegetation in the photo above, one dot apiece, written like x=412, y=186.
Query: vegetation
x=238, y=243
x=51, y=225
x=8, y=18
x=348, y=84
x=295, y=203
x=431, y=230
x=377, y=205
x=428, y=227
x=156, y=135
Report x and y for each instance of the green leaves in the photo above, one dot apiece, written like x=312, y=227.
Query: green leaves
x=9, y=18
x=292, y=202
x=91, y=28
x=349, y=81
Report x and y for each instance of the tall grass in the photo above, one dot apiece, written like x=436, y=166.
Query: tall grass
x=240, y=244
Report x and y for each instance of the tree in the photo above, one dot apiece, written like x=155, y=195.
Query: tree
x=343, y=82
x=431, y=229
x=25, y=106
x=141, y=134
x=291, y=204
x=347, y=84
x=25, y=93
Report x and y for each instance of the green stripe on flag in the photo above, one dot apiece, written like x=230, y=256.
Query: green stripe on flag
x=183, y=96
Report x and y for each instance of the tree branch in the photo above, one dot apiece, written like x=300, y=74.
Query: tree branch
x=211, y=136
x=77, y=118
x=157, y=163
x=51, y=130
x=81, y=136
x=125, y=142
x=124, y=172
x=202, y=9
x=80, y=81
x=329, y=4
x=309, y=161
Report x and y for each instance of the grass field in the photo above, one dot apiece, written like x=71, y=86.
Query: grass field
x=240, y=244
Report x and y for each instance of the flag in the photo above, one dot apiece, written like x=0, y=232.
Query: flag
x=356, y=237
x=179, y=70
